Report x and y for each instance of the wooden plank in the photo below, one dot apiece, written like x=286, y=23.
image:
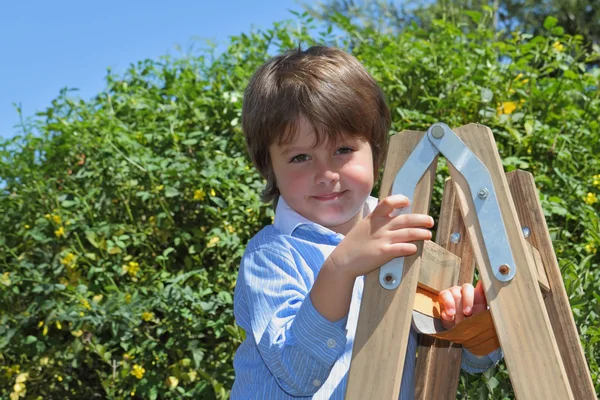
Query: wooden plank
x=531, y=215
x=385, y=315
x=438, y=361
x=539, y=266
x=519, y=314
x=439, y=268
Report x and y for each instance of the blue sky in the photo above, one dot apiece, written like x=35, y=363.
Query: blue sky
x=48, y=45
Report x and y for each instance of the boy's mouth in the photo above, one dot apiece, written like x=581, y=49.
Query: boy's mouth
x=329, y=196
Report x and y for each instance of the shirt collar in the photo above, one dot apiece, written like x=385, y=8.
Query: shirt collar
x=287, y=220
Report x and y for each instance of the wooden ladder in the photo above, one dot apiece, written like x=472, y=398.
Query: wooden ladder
x=489, y=219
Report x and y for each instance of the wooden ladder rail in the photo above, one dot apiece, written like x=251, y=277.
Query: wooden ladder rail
x=518, y=310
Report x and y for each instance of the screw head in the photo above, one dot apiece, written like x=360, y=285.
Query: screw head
x=526, y=231
x=389, y=278
x=504, y=269
x=483, y=193
x=455, y=238
x=437, y=132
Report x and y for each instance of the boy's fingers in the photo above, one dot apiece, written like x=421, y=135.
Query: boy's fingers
x=468, y=294
x=458, y=303
x=411, y=221
x=389, y=204
x=446, y=300
x=410, y=235
x=480, y=293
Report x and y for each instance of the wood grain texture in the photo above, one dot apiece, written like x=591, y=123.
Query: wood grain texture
x=439, y=268
x=438, y=361
x=531, y=215
x=385, y=315
x=520, y=317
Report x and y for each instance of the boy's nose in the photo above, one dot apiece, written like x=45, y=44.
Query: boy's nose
x=327, y=175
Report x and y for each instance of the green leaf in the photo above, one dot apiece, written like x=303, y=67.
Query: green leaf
x=550, y=22
x=30, y=339
x=171, y=192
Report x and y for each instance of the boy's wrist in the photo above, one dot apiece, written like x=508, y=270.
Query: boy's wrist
x=338, y=264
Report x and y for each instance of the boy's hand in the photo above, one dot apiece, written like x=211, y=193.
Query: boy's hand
x=460, y=302
x=379, y=238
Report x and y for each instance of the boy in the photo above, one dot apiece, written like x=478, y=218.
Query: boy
x=316, y=127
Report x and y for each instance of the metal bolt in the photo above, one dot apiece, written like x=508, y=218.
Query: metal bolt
x=455, y=237
x=437, y=132
x=526, y=231
x=483, y=193
x=503, y=269
x=389, y=278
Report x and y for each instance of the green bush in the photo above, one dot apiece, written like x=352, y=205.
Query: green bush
x=124, y=217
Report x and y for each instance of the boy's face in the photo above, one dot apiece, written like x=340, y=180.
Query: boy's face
x=327, y=184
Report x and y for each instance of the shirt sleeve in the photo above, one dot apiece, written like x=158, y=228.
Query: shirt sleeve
x=476, y=364
x=298, y=345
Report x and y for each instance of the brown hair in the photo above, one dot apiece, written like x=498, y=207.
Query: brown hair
x=327, y=86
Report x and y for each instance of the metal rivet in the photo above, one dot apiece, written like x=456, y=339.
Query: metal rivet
x=483, y=193
x=437, y=132
x=526, y=231
x=455, y=237
x=389, y=278
x=503, y=269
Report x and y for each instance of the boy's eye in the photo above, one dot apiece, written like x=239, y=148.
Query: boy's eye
x=344, y=150
x=299, y=158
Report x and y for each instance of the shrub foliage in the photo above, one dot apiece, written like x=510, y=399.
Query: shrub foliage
x=124, y=217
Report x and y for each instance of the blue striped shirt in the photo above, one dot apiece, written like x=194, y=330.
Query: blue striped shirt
x=291, y=351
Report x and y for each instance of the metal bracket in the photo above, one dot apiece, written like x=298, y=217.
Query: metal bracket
x=441, y=139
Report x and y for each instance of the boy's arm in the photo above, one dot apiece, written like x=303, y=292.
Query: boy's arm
x=298, y=345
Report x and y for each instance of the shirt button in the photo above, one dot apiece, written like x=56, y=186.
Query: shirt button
x=317, y=382
x=331, y=343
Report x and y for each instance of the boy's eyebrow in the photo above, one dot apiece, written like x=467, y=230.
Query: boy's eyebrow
x=290, y=149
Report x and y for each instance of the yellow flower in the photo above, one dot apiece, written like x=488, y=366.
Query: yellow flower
x=128, y=298
x=147, y=316
x=590, y=248
x=507, y=107
x=199, y=194
x=230, y=229
x=212, y=192
x=558, y=46
x=133, y=268
x=128, y=356
x=591, y=198
x=68, y=259
x=44, y=361
x=5, y=279
x=56, y=219
x=45, y=330
x=60, y=232
x=86, y=304
x=22, y=378
x=97, y=298
x=596, y=181
x=172, y=382
x=138, y=371
x=47, y=216
x=58, y=325
x=213, y=241
x=40, y=324
x=26, y=226
x=77, y=333
x=81, y=314
x=160, y=187
x=59, y=378
x=192, y=375
x=19, y=387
